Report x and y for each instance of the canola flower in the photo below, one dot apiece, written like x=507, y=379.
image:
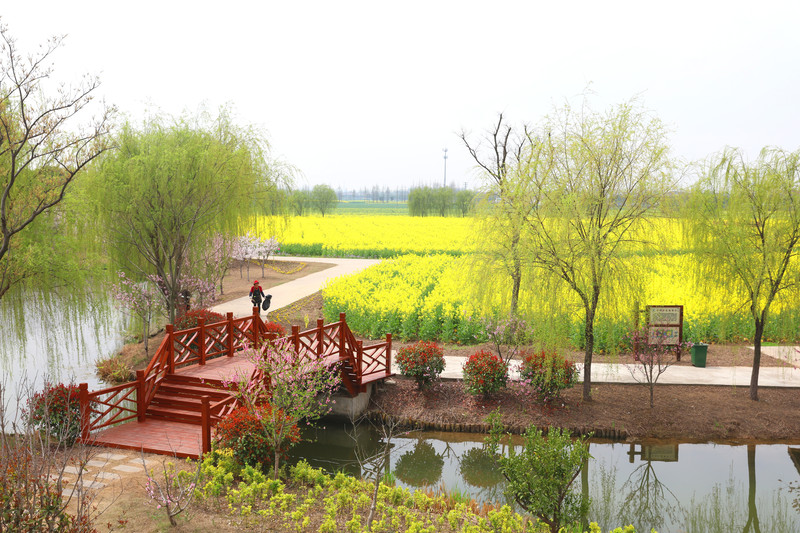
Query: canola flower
x=430, y=289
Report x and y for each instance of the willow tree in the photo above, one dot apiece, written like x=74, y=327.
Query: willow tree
x=744, y=222
x=168, y=187
x=500, y=155
x=592, y=185
x=44, y=147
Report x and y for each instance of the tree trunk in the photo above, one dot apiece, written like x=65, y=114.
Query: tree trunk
x=752, y=511
x=588, y=335
x=517, y=280
x=276, y=464
x=756, y=359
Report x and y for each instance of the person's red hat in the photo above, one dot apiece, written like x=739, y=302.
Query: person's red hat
x=255, y=282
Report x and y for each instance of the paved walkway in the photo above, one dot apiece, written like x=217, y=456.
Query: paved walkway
x=675, y=375
x=288, y=293
x=291, y=291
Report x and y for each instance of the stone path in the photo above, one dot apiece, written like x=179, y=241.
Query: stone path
x=102, y=470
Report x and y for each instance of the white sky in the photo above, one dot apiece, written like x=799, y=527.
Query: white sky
x=361, y=93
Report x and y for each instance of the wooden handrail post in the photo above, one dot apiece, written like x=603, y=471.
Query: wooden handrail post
x=229, y=325
x=343, y=317
x=359, y=359
x=83, y=394
x=170, y=350
x=141, y=405
x=296, y=338
x=320, y=337
x=205, y=424
x=254, y=326
x=342, y=351
x=201, y=323
x=388, y=354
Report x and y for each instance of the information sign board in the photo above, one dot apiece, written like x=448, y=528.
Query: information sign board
x=665, y=324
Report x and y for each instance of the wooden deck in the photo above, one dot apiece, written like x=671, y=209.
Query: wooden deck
x=153, y=436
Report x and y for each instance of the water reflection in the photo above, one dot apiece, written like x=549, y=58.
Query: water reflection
x=421, y=466
x=59, y=337
x=668, y=486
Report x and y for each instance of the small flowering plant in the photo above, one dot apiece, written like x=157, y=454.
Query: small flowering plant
x=547, y=374
x=56, y=411
x=423, y=361
x=485, y=373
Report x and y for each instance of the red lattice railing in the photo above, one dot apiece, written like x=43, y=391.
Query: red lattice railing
x=194, y=346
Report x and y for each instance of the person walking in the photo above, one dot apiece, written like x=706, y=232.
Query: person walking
x=256, y=295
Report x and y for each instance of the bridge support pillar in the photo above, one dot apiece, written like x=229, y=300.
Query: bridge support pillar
x=347, y=407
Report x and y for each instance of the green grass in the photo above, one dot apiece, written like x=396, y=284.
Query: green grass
x=362, y=207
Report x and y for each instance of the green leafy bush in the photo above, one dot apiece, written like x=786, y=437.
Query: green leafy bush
x=243, y=431
x=423, y=361
x=547, y=374
x=485, y=373
x=56, y=410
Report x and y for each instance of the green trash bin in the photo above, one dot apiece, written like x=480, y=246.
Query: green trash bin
x=699, y=352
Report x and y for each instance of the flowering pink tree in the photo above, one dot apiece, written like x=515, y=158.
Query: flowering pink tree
x=246, y=250
x=296, y=386
x=218, y=255
x=508, y=333
x=142, y=299
x=264, y=249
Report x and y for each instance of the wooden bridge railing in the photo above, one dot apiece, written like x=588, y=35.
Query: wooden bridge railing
x=121, y=403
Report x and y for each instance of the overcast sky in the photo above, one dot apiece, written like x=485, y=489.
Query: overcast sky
x=361, y=93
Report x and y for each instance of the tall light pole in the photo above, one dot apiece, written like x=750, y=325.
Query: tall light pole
x=445, y=166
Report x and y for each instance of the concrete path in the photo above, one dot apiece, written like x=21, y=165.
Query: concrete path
x=291, y=291
x=675, y=375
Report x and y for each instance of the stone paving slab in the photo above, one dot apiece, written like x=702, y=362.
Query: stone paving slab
x=127, y=468
x=108, y=456
x=96, y=463
x=92, y=484
x=75, y=470
x=107, y=476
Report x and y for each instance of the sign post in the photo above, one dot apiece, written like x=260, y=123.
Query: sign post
x=665, y=326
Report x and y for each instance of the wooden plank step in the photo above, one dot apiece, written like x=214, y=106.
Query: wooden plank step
x=177, y=415
x=189, y=404
x=190, y=390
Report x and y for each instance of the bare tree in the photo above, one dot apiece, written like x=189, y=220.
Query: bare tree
x=46, y=485
x=500, y=154
x=652, y=357
x=42, y=147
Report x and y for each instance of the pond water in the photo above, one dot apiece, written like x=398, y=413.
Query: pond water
x=58, y=339
x=672, y=487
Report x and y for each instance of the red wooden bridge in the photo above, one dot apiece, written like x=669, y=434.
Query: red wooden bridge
x=173, y=405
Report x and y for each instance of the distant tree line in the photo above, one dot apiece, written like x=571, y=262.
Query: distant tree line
x=439, y=201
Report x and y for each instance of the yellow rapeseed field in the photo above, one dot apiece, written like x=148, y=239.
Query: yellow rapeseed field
x=433, y=286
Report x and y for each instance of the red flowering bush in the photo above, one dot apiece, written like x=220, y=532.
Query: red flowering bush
x=56, y=410
x=245, y=432
x=485, y=373
x=547, y=374
x=189, y=319
x=423, y=361
x=274, y=327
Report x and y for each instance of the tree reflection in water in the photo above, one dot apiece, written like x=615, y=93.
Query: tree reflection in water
x=421, y=466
